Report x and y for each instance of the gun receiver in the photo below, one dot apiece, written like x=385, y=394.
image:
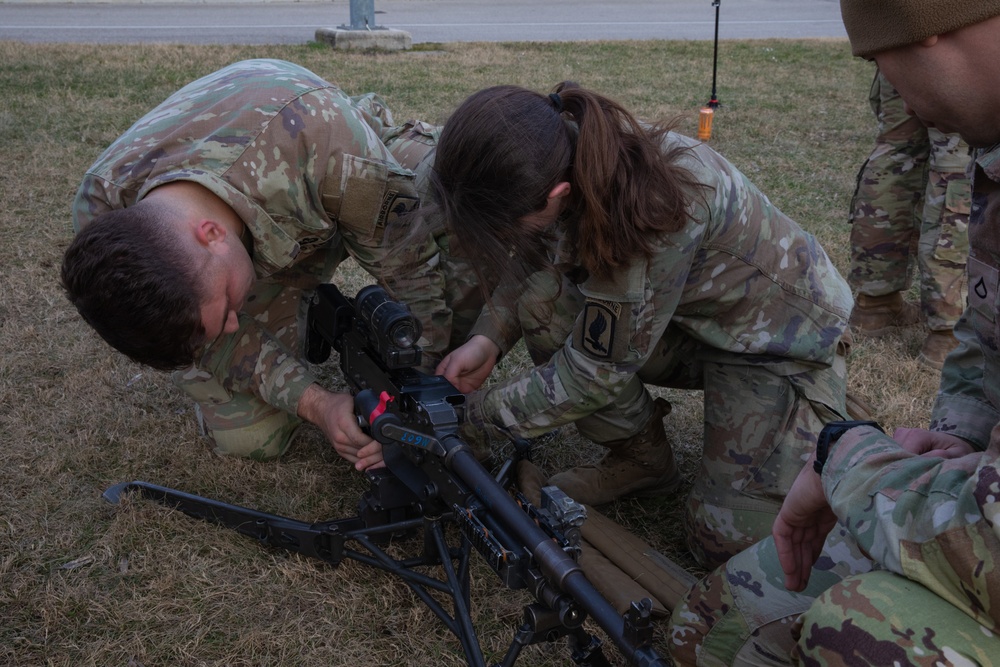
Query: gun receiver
x=432, y=478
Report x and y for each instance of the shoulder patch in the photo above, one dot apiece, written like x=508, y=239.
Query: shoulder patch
x=600, y=319
x=984, y=287
x=394, y=205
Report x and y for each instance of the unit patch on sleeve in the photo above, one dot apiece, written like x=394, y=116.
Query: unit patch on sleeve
x=394, y=206
x=600, y=320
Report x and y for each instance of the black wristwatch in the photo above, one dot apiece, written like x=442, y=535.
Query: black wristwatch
x=830, y=434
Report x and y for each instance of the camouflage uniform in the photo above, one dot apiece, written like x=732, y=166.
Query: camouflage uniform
x=911, y=574
x=913, y=195
x=740, y=302
x=315, y=176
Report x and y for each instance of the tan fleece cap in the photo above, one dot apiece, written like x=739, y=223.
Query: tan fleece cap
x=878, y=25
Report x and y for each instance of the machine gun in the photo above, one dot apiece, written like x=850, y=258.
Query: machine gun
x=432, y=480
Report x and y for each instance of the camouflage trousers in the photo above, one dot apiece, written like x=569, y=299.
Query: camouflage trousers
x=850, y=614
x=242, y=424
x=762, y=417
x=911, y=207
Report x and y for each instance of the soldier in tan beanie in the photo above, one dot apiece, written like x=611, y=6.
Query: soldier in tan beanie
x=941, y=57
x=887, y=550
x=876, y=26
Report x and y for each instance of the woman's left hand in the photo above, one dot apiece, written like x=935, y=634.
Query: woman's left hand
x=468, y=366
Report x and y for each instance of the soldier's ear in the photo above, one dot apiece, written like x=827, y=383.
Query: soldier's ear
x=560, y=190
x=208, y=232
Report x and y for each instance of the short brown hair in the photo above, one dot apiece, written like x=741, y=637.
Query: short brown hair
x=130, y=280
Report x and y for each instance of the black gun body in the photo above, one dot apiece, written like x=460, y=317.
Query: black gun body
x=419, y=419
x=433, y=476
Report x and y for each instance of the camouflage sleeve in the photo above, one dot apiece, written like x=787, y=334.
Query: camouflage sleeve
x=560, y=392
x=375, y=112
x=590, y=369
x=410, y=257
x=499, y=320
x=254, y=361
x=962, y=407
x=92, y=199
x=935, y=521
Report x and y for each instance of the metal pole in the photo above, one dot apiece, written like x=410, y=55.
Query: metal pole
x=362, y=15
x=714, y=102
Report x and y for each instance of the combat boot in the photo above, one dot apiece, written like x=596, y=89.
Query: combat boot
x=642, y=464
x=878, y=315
x=936, y=347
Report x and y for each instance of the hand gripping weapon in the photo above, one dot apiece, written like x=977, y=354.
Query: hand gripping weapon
x=432, y=480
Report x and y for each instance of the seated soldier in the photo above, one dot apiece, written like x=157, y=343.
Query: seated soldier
x=885, y=551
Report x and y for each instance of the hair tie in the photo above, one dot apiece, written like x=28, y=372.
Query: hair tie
x=556, y=102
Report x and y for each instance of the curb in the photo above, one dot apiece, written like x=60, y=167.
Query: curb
x=385, y=39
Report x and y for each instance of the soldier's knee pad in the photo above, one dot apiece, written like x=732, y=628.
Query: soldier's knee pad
x=263, y=436
x=238, y=424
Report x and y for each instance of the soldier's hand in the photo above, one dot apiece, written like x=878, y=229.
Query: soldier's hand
x=468, y=367
x=334, y=414
x=931, y=443
x=801, y=527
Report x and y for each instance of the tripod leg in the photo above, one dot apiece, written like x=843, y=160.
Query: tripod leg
x=466, y=633
x=524, y=636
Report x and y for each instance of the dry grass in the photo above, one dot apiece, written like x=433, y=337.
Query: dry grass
x=83, y=583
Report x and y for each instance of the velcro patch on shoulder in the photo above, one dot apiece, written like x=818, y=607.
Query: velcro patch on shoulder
x=596, y=335
x=395, y=205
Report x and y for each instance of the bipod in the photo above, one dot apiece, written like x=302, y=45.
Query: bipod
x=542, y=624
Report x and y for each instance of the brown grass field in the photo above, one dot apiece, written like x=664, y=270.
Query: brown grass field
x=84, y=583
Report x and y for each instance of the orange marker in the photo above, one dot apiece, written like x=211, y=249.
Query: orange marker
x=705, y=123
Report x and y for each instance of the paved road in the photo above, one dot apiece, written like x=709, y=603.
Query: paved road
x=426, y=20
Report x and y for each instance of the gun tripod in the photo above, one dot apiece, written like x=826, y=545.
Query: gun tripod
x=389, y=509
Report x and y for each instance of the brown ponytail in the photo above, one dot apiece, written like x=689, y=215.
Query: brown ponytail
x=628, y=189
x=505, y=148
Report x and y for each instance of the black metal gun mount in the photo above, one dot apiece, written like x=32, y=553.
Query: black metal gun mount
x=433, y=480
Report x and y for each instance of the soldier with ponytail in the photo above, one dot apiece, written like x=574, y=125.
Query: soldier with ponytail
x=631, y=255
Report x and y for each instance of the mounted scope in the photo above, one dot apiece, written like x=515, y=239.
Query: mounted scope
x=389, y=322
x=387, y=328
x=378, y=324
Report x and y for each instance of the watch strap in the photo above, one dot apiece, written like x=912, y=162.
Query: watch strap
x=830, y=434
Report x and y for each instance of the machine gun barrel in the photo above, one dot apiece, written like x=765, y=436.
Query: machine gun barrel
x=557, y=566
